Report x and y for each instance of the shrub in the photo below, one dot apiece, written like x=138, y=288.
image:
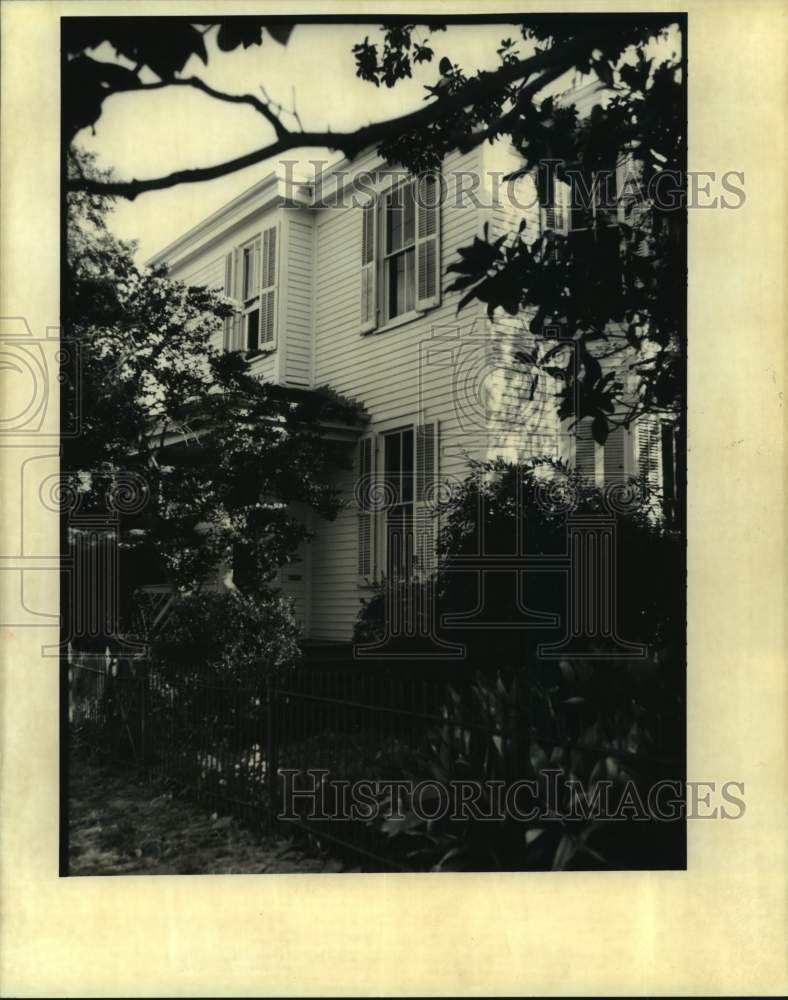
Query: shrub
x=512, y=713
x=496, y=500
x=229, y=636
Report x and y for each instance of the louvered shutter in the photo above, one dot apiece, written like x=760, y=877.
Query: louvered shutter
x=428, y=241
x=628, y=188
x=615, y=456
x=369, y=278
x=232, y=324
x=364, y=495
x=585, y=450
x=649, y=441
x=555, y=214
x=425, y=514
x=268, y=279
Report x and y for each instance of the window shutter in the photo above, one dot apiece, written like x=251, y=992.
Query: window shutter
x=649, y=441
x=585, y=451
x=231, y=322
x=428, y=241
x=629, y=174
x=268, y=278
x=425, y=514
x=369, y=282
x=364, y=496
x=614, y=456
x=555, y=214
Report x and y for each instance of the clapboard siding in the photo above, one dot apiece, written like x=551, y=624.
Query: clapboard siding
x=526, y=427
x=429, y=369
x=385, y=371
x=208, y=274
x=299, y=278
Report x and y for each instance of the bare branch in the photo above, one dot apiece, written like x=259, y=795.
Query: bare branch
x=555, y=60
x=263, y=108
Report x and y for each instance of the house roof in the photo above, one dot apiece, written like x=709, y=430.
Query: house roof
x=275, y=186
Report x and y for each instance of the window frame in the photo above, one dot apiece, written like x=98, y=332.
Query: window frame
x=247, y=285
x=407, y=479
x=250, y=304
x=380, y=265
x=406, y=250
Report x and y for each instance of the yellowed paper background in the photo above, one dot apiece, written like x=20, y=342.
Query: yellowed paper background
x=718, y=928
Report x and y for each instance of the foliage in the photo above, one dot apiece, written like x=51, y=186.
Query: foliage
x=161, y=45
x=227, y=637
x=511, y=714
x=498, y=499
x=610, y=732
x=616, y=289
x=216, y=456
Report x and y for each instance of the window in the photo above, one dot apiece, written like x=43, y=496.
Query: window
x=251, y=279
x=593, y=199
x=602, y=465
x=398, y=472
x=400, y=252
x=396, y=518
x=555, y=205
x=589, y=199
x=250, y=294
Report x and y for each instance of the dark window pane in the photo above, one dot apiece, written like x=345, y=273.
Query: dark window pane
x=253, y=330
x=399, y=524
x=409, y=214
x=410, y=280
x=396, y=289
x=392, y=463
x=393, y=226
x=407, y=466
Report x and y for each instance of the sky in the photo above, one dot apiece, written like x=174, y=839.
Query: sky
x=150, y=134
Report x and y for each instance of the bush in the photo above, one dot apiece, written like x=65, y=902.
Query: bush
x=512, y=713
x=229, y=637
x=496, y=500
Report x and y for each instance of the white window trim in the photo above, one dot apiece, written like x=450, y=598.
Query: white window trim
x=379, y=554
x=247, y=305
x=386, y=186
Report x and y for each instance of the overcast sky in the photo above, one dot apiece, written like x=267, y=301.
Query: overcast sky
x=150, y=134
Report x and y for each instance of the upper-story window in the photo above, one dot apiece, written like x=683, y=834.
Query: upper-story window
x=251, y=275
x=400, y=252
x=590, y=199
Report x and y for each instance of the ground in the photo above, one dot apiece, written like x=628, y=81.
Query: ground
x=121, y=825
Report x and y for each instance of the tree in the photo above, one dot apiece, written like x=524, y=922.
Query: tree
x=616, y=290
x=218, y=457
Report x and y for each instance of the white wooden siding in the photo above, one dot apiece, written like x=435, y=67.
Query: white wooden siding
x=388, y=371
x=209, y=274
x=298, y=290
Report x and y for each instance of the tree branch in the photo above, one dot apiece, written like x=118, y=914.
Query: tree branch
x=261, y=107
x=557, y=60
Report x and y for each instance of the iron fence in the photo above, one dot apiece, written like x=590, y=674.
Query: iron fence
x=287, y=750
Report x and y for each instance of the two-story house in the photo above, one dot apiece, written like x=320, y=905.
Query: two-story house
x=341, y=280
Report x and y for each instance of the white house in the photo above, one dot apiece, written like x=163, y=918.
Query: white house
x=342, y=281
